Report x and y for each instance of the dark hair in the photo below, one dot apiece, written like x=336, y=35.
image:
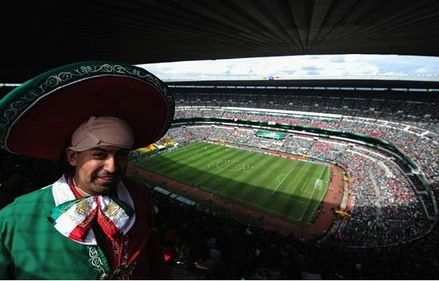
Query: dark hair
x=63, y=164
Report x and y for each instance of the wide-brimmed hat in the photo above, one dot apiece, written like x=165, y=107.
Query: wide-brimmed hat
x=38, y=118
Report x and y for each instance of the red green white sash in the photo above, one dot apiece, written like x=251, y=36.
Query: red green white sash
x=74, y=217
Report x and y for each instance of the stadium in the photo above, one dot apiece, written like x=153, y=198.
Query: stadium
x=385, y=183
x=282, y=178
x=383, y=198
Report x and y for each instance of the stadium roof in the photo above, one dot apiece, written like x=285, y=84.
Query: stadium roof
x=39, y=35
x=337, y=83
x=389, y=89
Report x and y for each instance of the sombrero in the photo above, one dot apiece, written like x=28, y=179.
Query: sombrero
x=38, y=118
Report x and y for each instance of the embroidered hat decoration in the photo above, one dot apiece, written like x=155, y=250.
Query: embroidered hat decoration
x=38, y=118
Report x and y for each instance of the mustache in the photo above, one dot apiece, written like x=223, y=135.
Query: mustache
x=105, y=174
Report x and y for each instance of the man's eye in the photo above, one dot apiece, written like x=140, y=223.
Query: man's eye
x=99, y=155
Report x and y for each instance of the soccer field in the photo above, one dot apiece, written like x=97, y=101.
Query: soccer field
x=284, y=188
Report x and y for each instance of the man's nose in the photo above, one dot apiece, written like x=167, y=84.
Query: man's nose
x=111, y=164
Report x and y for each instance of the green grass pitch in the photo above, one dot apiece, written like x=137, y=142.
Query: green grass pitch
x=284, y=188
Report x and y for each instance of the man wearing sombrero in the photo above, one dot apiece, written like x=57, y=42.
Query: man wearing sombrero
x=93, y=223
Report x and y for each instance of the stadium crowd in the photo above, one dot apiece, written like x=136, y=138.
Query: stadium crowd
x=384, y=199
x=418, y=114
x=416, y=142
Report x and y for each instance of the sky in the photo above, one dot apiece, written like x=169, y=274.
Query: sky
x=302, y=67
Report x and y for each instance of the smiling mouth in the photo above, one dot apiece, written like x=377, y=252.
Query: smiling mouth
x=106, y=180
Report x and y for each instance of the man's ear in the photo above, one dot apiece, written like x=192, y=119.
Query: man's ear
x=72, y=157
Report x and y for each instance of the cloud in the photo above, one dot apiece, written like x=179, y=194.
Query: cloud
x=337, y=59
x=300, y=67
x=311, y=70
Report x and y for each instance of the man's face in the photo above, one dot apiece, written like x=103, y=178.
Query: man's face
x=98, y=170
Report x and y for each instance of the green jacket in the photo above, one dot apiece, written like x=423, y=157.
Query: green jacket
x=31, y=248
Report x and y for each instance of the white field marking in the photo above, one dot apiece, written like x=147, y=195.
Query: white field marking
x=305, y=191
x=322, y=169
x=303, y=188
x=320, y=199
x=312, y=194
x=301, y=202
x=322, y=194
x=280, y=181
x=303, y=212
x=281, y=177
x=319, y=178
x=296, y=202
x=307, y=203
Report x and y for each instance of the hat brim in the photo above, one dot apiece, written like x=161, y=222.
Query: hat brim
x=39, y=117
